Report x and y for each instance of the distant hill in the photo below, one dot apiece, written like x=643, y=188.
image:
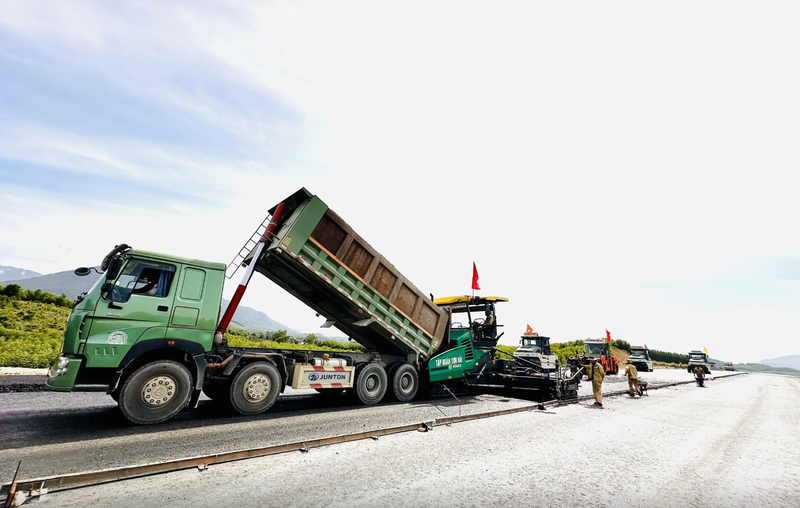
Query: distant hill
x=66, y=283
x=767, y=369
x=791, y=361
x=72, y=285
x=252, y=319
x=12, y=273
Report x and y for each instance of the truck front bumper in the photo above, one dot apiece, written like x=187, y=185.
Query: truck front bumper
x=62, y=374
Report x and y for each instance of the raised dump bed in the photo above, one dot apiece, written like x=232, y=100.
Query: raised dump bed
x=317, y=257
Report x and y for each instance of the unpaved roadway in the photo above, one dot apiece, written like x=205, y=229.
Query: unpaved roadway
x=733, y=443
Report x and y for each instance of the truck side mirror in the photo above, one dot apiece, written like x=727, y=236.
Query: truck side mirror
x=113, y=269
x=82, y=271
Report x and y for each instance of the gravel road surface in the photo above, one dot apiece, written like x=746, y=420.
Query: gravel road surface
x=730, y=444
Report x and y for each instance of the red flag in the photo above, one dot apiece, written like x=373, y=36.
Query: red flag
x=475, y=276
x=529, y=330
x=608, y=336
x=645, y=346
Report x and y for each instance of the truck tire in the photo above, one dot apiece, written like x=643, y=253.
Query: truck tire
x=405, y=382
x=371, y=383
x=255, y=388
x=155, y=392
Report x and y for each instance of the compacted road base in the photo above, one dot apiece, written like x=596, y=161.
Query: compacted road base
x=730, y=444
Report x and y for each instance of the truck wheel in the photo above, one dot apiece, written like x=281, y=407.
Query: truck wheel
x=255, y=388
x=405, y=382
x=371, y=383
x=155, y=392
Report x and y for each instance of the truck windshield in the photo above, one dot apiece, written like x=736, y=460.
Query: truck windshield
x=697, y=356
x=531, y=342
x=638, y=352
x=594, y=349
x=142, y=278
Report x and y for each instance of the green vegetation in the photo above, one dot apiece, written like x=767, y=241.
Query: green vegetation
x=507, y=349
x=566, y=349
x=621, y=344
x=15, y=292
x=280, y=340
x=664, y=357
x=30, y=332
x=670, y=365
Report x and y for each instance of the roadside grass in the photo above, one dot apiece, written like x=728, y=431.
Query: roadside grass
x=30, y=332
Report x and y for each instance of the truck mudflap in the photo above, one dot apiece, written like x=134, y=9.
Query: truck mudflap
x=314, y=376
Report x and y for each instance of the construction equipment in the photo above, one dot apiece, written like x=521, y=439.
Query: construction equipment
x=536, y=348
x=600, y=350
x=699, y=359
x=151, y=333
x=640, y=358
x=472, y=355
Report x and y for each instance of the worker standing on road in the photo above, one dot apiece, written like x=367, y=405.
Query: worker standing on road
x=633, y=378
x=699, y=375
x=596, y=373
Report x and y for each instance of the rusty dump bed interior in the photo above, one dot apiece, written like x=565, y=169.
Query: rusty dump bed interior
x=318, y=258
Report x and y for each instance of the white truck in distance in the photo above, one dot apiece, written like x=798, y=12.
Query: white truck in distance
x=536, y=348
x=640, y=358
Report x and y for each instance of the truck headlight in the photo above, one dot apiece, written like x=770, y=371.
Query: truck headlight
x=61, y=367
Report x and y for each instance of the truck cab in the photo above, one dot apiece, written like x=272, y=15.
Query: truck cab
x=699, y=359
x=600, y=349
x=146, y=307
x=536, y=348
x=640, y=358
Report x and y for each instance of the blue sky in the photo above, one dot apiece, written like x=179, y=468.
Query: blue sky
x=620, y=166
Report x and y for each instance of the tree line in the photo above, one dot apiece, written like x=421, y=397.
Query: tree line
x=282, y=337
x=15, y=292
x=664, y=356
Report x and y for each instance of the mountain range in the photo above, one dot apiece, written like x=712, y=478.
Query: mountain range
x=790, y=361
x=71, y=285
x=13, y=273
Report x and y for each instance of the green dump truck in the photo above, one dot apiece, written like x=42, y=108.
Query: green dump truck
x=151, y=332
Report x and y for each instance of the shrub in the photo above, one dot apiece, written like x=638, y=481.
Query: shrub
x=621, y=344
x=566, y=349
x=30, y=332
